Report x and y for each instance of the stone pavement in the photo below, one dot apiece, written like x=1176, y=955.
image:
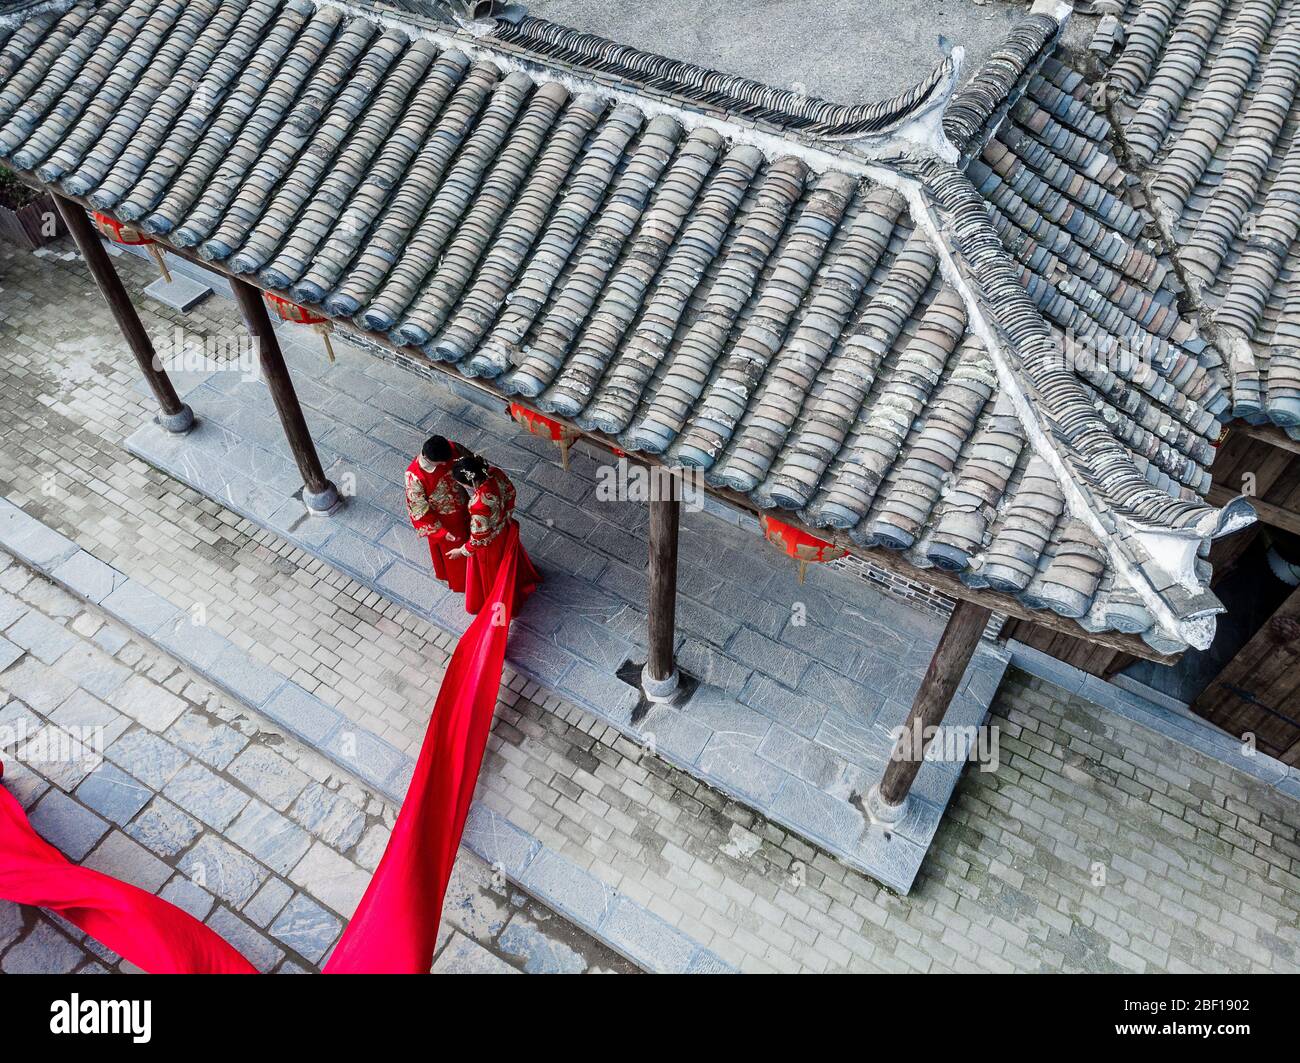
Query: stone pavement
x=131, y=765
x=802, y=683
x=1096, y=845
x=1092, y=847
x=514, y=854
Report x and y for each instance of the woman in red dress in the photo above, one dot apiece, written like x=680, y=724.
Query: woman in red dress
x=491, y=503
x=437, y=504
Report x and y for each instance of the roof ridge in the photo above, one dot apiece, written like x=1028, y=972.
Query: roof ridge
x=742, y=96
x=1151, y=537
x=978, y=107
x=868, y=154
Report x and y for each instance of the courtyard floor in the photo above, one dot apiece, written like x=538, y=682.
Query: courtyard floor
x=1095, y=845
x=801, y=686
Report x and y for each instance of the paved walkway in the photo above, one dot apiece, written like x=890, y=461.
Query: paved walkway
x=132, y=765
x=1097, y=845
x=802, y=684
x=513, y=853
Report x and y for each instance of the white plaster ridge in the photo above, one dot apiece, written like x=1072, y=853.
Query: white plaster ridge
x=10, y=20
x=898, y=140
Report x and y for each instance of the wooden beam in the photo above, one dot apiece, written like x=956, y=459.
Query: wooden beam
x=1270, y=434
x=944, y=582
x=1272, y=515
x=660, y=677
x=1261, y=680
x=319, y=495
x=1116, y=665
x=1227, y=551
x=175, y=415
x=956, y=647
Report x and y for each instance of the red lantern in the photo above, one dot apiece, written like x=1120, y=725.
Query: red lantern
x=300, y=315
x=129, y=236
x=540, y=425
x=803, y=547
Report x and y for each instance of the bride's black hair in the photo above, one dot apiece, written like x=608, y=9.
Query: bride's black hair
x=470, y=470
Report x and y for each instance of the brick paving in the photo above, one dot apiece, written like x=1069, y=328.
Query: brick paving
x=801, y=683
x=131, y=765
x=1097, y=845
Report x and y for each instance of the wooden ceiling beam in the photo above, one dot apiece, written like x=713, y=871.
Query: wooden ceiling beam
x=1272, y=515
x=1270, y=434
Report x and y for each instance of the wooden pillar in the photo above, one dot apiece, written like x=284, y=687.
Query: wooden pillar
x=956, y=647
x=659, y=679
x=319, y=495
x=175, y=416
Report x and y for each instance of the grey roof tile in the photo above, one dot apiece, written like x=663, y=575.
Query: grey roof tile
x=601, y=240
x=1208, y=102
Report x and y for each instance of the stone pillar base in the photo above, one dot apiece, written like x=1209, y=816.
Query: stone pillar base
x=177, y=423
x=659, y=689
x=322, y=503
x=880, y=811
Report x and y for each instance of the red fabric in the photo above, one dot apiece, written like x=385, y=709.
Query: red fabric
x=445, y=523
x=153, y=934
x=490, y=527
x=119, y=233
x=395, y=927
x=451, y=570
x=799, y=544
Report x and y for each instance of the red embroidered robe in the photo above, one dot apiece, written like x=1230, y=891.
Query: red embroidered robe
x=490, y=511
x=436, y=504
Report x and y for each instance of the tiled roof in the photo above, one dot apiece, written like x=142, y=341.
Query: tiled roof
x=1205, y=97
x=863, y=336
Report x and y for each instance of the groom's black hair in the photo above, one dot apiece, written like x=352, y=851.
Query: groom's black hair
x=436, y=448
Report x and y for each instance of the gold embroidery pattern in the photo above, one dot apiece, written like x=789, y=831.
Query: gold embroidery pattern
x=446, y=498
x=485, y=527
x=417, y=503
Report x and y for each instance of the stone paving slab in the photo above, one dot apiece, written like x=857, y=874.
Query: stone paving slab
x=1182, y=727
x=833, y=658
x=117, y=796
x=229, y=818
x=1096, y=845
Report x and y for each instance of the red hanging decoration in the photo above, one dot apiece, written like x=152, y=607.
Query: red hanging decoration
x=541, y=425
x=802, y=546
x=129, y=236
x=300, y=315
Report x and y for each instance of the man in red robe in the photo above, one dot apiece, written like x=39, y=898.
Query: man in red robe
x=491, y=503
x=437, y=507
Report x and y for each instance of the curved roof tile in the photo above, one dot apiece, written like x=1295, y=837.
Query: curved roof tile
x=758, y=301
